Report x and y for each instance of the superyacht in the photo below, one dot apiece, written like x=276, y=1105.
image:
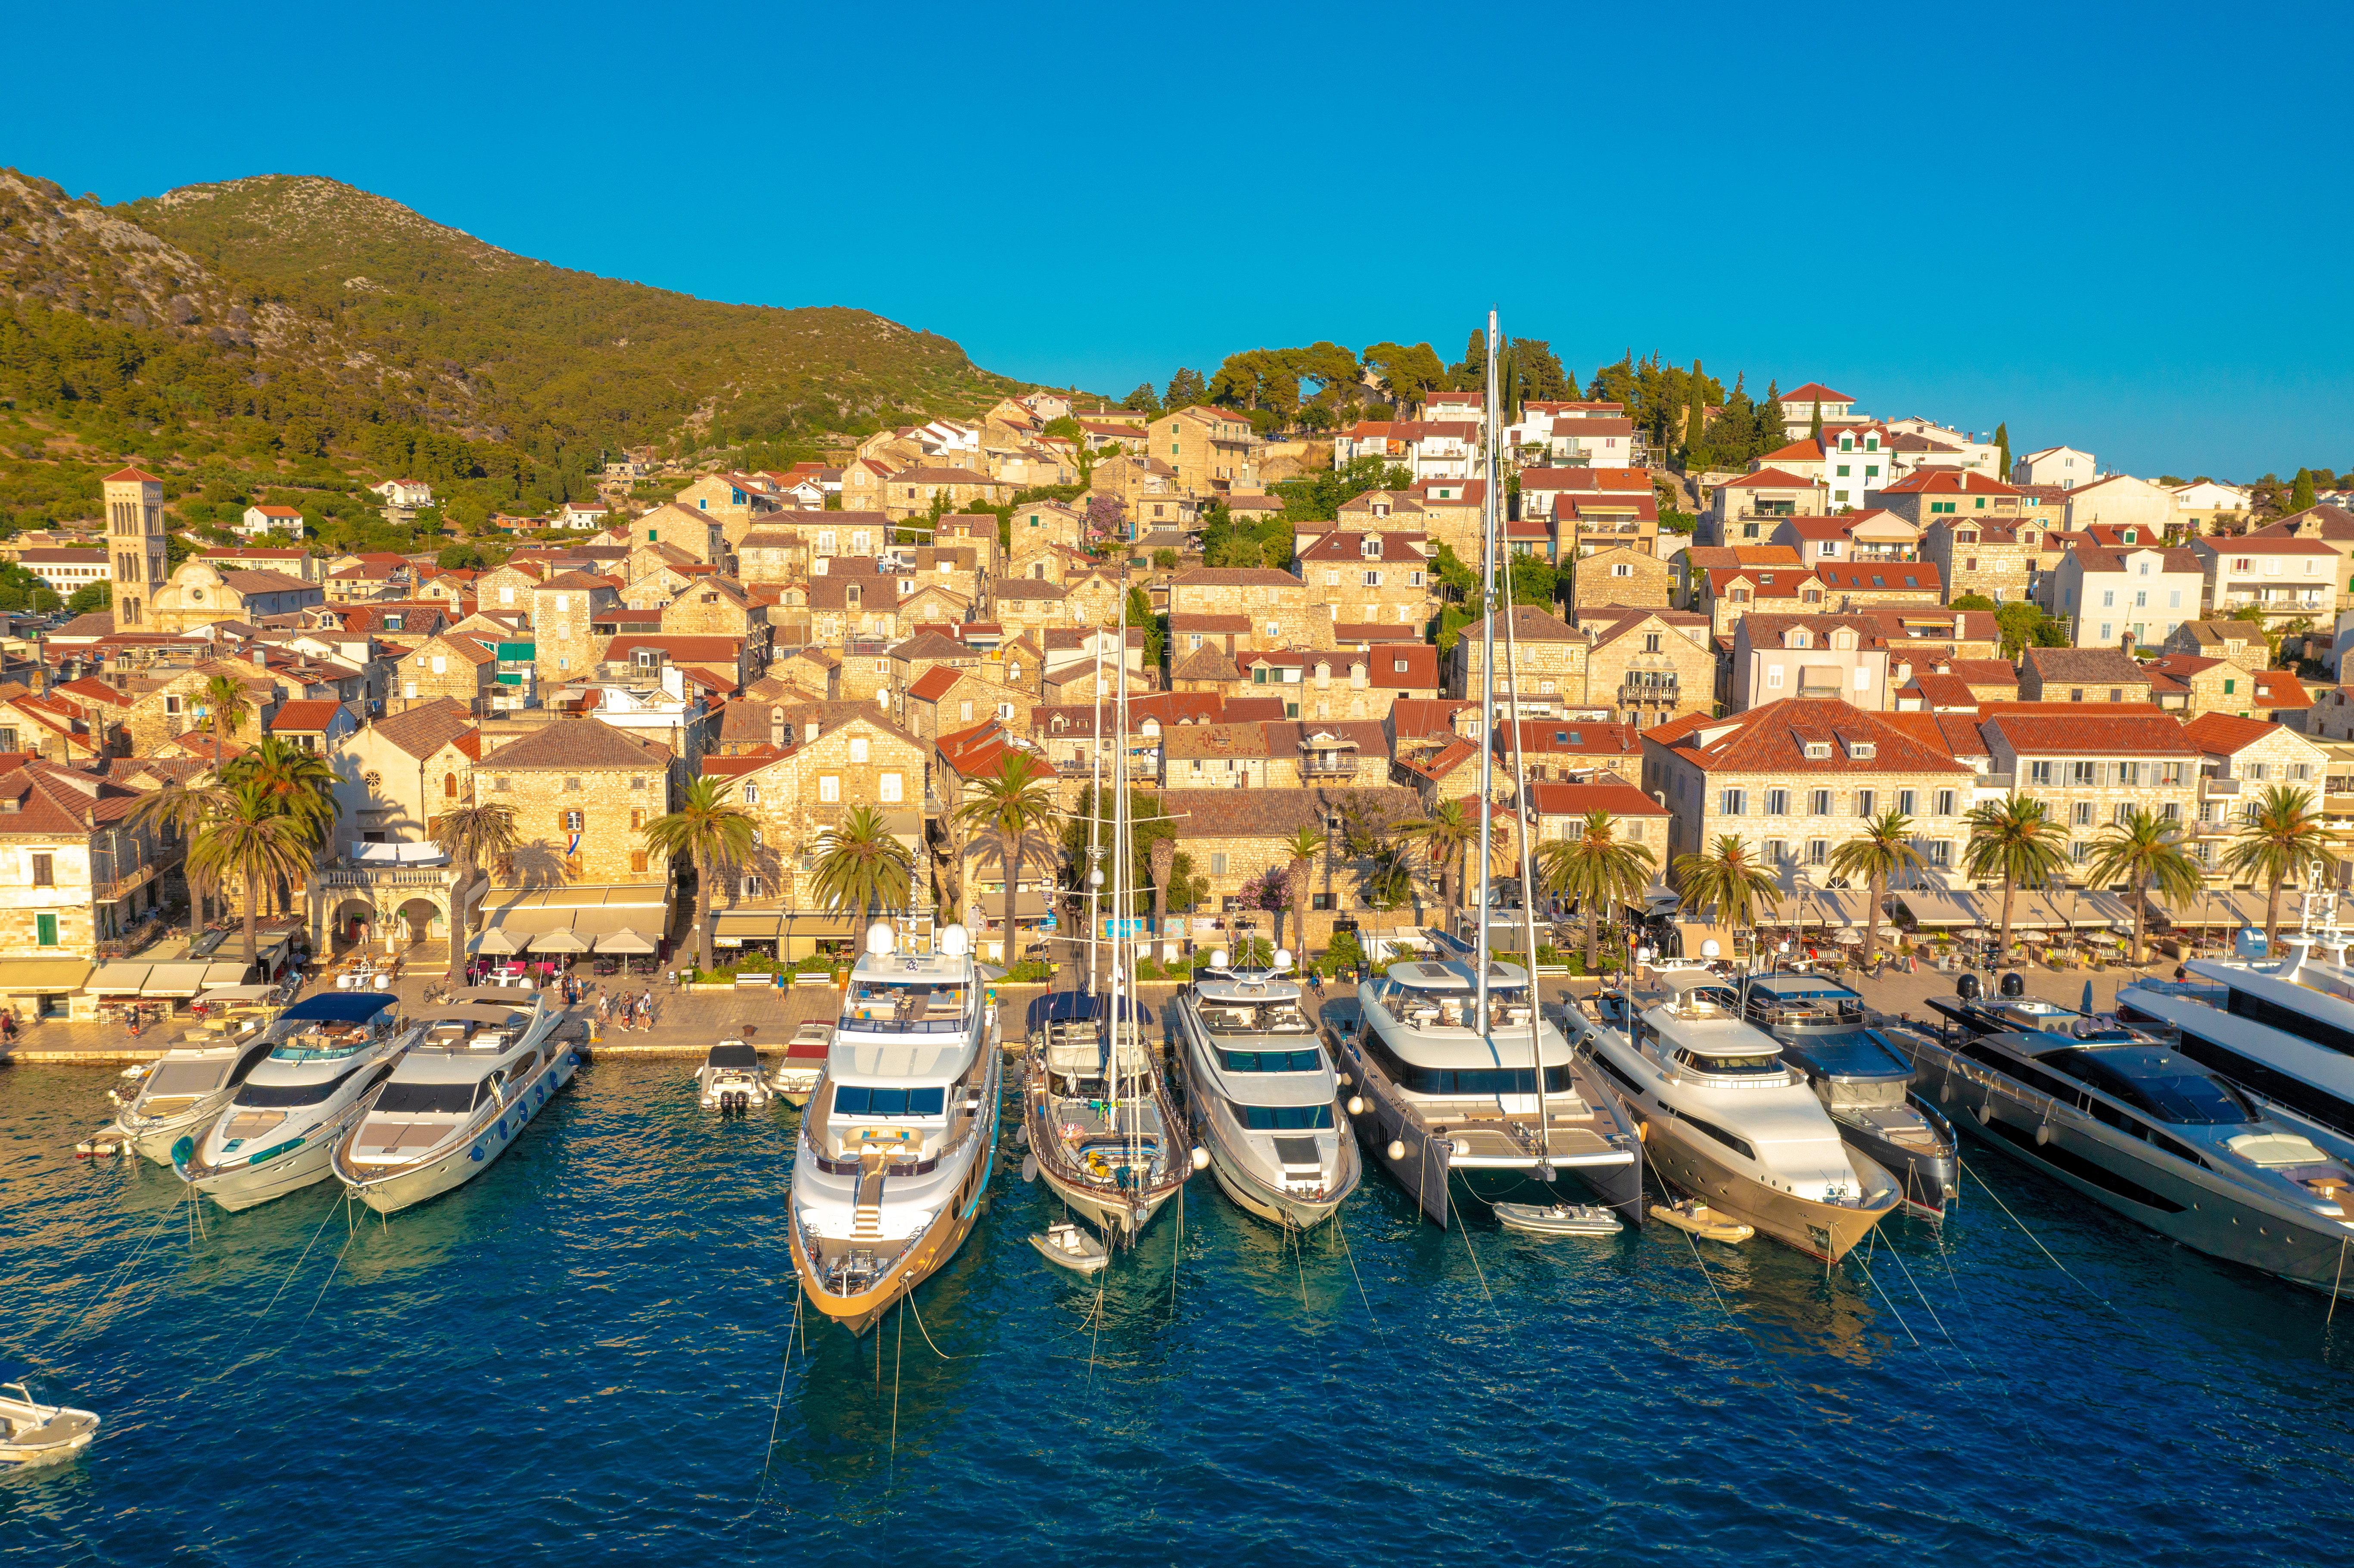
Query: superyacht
x=1863, y=1079
x=483, y=1067
x=1726, y=1119
x=900, y=1134
x=1263, y=1094
x=279, y=1132
x=2145, y=1130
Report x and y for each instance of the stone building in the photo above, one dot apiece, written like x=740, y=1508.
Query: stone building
x=1382, y=577
x=1550, y=659
x=910, y=492
x=2082, y=675
x=564, y=612
x=2000, y=560
x=394, y=776
x=1234, y=838
x=135, y=533
x=450, y=667
x=1276, y=603
x=1620, y=575
x=699, y=536
x=1214, y=451
x=582, y=794
x=74, y=871
x=2090, y=767
x=199, y=594
x=1646, y=666
x=2239, y=759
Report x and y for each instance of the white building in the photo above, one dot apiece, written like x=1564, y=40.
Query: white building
x=582, y=515
x=259, y=520
x=2105, y=595
x=2286, y=579
x=2121, y=501
x=405, y=492
x=67, y=570
x=2064, y=466
x=1798, y=408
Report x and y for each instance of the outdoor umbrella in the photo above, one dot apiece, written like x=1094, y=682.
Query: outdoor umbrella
x=624, y=941
x=497, y=940
x=564, y=942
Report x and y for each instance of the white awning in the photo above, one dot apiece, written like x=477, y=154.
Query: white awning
x=119, y=978
x=225, y=974
x=175, y=980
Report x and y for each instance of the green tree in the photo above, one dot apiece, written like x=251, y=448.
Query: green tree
x=1598, y=869
x=1815, y=425
x=249, y=840
x=2018, y=622
x=1695, y=431
x=1300, y=851
x=1728, y=878
x=2002, y=452
x=1386, y=882
x=1410, y=375
x=1144, y=400
x=1139, y=615
x=1015, y=802
x=225, y=706
x=1445, y=838
x=475, y=836
x=91, y=598
x=710, y=832
x=1879, y=851
x=2300, y=492
x=2281, y=839
x=176, y=813
x=860, y=867
x=2145, y=853
x=1186, y=388
x=2014, y=839
x=1977, y=601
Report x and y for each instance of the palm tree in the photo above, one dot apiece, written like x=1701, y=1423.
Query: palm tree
x=225, y=699
x=1729, y=877
x=1015, y=802
x=707, y=831
x=1874, y=855
x=251, y=840
x=300, y=782
x=2144, y=851
x=1387, y=882
x=1446, y=837
x=1163, y=855
x=860, y=867
x=179, y=810
x=1596, y=868
x=473, y=834
x=2282, y=838
x=1301, y=850
x=2013, y=838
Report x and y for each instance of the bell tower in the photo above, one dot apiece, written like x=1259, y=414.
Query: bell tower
x=134, y=540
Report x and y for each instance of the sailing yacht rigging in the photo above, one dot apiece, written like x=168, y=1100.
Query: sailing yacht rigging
x=1456, y=1066
x=1107, y=1135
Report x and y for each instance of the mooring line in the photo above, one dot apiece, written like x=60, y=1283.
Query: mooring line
x=1370, y=1314
x=1887, y=1303
x=2030, y=1236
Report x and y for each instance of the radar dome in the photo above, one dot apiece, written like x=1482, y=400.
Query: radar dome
x=954, y=941
x=879, y=938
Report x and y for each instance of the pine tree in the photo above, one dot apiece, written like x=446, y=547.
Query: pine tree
x=1699, y=426
x=2300, y=494
x=2002, y=450
x=1815, y=430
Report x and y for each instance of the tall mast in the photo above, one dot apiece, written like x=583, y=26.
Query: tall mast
x=1489, y=530
x=1521, y=831
x=1095, y=820
x=1123, y=863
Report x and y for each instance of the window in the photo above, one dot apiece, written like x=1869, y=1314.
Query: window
x=1734, y=803
x=858, y=749
x=637, y=860
x=1864, y=800
x=2080, y=813
x=2039, y=772
x=829, y=788
x=1218, y=864
x=449, y=786
x=572, y=786
x=1818, y=851
x=2079, y=852
x=1777, y=802
x=499, y=783
x=888, y=788
x=1820, y=802
x=1945, y=803
x=2084, y=775
x=1939, y=853
x=1773, y=677
x=1907, y=801
x=1778, y=852
x=576, y=821
x=45, y=930
x=1863, y=677
x=45, y=871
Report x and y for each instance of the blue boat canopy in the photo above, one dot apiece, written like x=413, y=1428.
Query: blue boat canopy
x=1070, y=1007
x=339, y=1007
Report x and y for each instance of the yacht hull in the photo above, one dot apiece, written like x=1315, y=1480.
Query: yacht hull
x=2168, y=1196
x=927, y=1253
x=247, y=1185
x=1925, y=1178
x=154, y=1137
x=1255, y=1195
x=1687, y=1162
x=461, y=1163
x=1116, y=1213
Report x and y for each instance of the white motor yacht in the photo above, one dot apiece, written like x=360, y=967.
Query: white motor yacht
x=900, y=1135
x=804, y=1062
x=1438, y=1090
x=34, y=1434
x=185, y=1089
x=464, y=1092
x=731, y=1081
x=1264, y=1096
x=280, y=1129
x=1725, y=1120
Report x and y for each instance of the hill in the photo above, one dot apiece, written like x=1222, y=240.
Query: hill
x=288, y=330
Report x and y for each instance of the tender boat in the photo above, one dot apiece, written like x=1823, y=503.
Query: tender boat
x=1559, y=1219
x=184, y=1090
x=1863, y=1079
x=900, y=1135
x=731, y=1081
x=463, y=1095
x=2143, y=1130
x=1438, y=1090
x=279, y=1132
x=804, y=1062
x=1727, y=1121
x=32, y=1433
x=1702, y=1221
x=1071, y=1246
x=1265, y=1099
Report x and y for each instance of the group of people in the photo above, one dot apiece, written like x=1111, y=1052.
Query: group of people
x=624, y=1011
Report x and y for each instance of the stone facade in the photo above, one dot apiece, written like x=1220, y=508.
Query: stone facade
x=1214, y=451
x=798, y=797
x=2090, y=768
x=1380, y=578
x=582, y=794
x=1277, y=603
x=1621, y=574
x=450, y=667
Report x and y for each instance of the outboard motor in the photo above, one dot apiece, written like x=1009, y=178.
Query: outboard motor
x=1967, y=988
x=2013, y=985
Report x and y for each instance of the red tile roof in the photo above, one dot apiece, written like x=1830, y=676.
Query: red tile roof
x=1773, y=740
x=308, y=715
x=1948, y=481
x=2221, y=735
x=1814, y=392
x=1614, y=796
x=2069, y=727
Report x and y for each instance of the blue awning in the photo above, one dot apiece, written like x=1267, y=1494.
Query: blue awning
x=1073, y=1007
x=338, y=1007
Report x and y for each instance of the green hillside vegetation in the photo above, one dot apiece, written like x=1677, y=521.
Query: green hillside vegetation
x=297, y=334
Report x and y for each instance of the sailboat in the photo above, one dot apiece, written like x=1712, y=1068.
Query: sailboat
x=1101, y=1123
x=1459, y=1080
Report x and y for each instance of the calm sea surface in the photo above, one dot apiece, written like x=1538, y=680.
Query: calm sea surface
x=585, y=1350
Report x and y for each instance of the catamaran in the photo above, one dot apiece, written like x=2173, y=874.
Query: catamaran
x=900, y=1134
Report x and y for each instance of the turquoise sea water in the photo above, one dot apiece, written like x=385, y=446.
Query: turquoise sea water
x=584, y=1352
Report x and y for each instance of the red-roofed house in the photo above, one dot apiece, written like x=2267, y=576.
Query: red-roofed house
x=1561, y=809
x=315, y=725
x=1802, y=406
x=2287, y=579
x=259, y=520
x=1747, y=509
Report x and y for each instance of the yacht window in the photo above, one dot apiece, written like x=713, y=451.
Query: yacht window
x=2274, y=1084
x=1288, y=1119
x=278, y=1096
x=2257, y=1009
x=1739, y=1146
x=1730, y=1067
x=180, y=1080
x=1466, y=1083
x=861, y=1099
x=2034, y=1078
x=2157, y=1083
x=1271, y=1060
x=428, y=1099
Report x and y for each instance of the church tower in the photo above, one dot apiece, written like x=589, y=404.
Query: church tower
x=134, y=537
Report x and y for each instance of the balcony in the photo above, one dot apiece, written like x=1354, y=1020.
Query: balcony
x=1885, y=553
x=114, y=889
x=2211, y=788
x=1647, y=694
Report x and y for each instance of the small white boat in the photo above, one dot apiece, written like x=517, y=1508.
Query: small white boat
x=1558, y=1219
x=730, y=1081
x=804, y=1061
x=1697, y=1217
x=1072, y=1248
x=32, y=1433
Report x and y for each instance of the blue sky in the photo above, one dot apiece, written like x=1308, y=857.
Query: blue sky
x=2114, y=227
